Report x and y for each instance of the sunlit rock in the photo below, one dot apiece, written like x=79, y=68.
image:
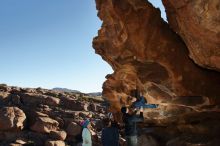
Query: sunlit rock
x=198, y=24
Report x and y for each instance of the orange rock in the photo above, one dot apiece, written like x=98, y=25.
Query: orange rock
x=197, y=22
x=11, y=118
x=145, y=53
x=44, y=125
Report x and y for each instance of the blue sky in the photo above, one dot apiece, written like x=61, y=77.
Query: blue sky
x=48, y=43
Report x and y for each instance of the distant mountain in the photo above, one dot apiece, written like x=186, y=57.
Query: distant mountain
x=95, y=94
x=76, y=91
x=65, y=90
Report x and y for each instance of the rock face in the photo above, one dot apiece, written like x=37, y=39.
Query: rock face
x=198, y=24
x=175, y=65
x=146, y=54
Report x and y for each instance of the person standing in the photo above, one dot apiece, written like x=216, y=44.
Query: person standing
x=86, y=134
x=110, y=134
x=130, y=120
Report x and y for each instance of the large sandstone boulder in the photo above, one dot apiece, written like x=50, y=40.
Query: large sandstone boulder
x=44, y=125
x=73, y=129
x=11, y=118
x=198, y=24
x=171, y=64
x=146, y=54
x=73, y=104
x=58, y=135
x=35, y=99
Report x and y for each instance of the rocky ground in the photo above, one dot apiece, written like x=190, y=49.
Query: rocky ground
x=41, y=117
x=45, y=117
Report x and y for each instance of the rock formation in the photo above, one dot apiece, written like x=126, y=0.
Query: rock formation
x=197, y=22
x=45, y=117
x=146, y=54
x=11, y=118
x=175, y=65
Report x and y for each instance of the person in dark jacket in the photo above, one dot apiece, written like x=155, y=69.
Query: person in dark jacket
x=130, y=120
x=110, y=134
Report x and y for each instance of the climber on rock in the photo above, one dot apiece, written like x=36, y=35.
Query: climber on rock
x=138, y=100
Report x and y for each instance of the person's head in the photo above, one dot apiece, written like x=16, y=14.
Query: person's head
x=107, y=122
x=124, y=110
x=86, y=124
